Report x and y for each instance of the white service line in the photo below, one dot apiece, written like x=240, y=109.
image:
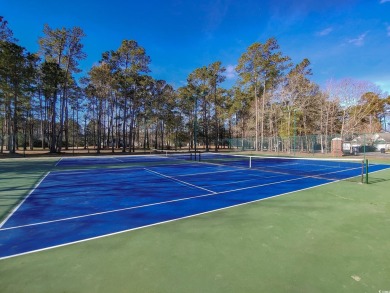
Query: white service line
x=147, y=205
x=180, y=181
x=168, y=221
x=173, y=220
x=235, y=182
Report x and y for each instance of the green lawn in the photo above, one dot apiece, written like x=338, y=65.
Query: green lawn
x=333, y=238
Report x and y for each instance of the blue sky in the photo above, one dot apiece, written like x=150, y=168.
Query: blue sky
x=341, y=38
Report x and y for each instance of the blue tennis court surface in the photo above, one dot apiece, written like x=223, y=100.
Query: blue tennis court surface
x=69, y=206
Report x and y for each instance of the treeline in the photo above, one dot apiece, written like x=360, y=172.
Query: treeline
x=118, y=104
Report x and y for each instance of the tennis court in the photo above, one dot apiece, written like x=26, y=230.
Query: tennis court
x=91, y=197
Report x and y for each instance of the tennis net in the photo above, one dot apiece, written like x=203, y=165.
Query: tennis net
x=154, y=158
x=176, y=155
x=328, y=168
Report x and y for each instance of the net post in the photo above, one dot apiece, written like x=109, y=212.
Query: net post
x=366, y=171
x=250, y=162
x=199, y=157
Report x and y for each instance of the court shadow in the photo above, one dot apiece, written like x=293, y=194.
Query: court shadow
x=373, y=180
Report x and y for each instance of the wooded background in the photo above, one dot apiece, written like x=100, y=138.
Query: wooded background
x=44, y=103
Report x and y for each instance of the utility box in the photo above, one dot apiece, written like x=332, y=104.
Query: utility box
x=337, y=147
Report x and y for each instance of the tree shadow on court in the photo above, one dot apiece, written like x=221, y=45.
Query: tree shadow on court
x=373, y=180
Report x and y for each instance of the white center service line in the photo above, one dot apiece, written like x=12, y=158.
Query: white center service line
x=212, y=193
x=205, y=173
x=145, y=205
x=116, y=159
x=180, y=181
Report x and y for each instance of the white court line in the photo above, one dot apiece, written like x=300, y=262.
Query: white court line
x=205, y=173
x=174, y=179
x=97, y=158
x=158, y=203
x=18, y=206
x=58, y=162
x=106, y=170
x=102, y=157
x=120, y=169
x=79, y=171
x=263, y=169
x=173, y=220
x=117, y=159
x=242, y=170
x=169, y=221
x=235, y=182
x=151, y=204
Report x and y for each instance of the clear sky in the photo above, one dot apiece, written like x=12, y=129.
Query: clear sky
x=341, y=38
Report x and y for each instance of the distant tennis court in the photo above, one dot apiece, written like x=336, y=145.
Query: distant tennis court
x=90, y=197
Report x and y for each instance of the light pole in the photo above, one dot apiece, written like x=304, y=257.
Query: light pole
x=195, y=120
x=73, y=128
x=24, y=135
x=262, y=116
x=295, y=130
x=387, y=112
x=256, y=121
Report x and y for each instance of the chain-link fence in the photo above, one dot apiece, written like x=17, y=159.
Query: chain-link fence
x=351, y=144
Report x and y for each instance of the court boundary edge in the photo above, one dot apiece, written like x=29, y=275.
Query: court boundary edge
x=164, y=222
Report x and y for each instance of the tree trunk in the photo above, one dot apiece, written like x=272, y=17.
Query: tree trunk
x=53, y=125
x=124, y=127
